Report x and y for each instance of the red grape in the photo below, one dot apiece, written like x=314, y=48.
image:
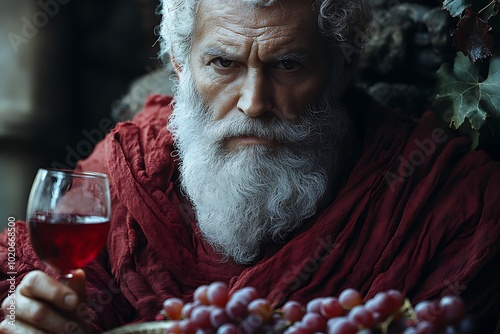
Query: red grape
x=200, y=295
x=330, y=307
x=297, y=328
x=314, y=322
x=429, y=311
x=212, y=310
x=261, y=307
x=236, y=308
x=217, y=294
x=228, y=329
x=425, y=327
x=350, y=298
x=361, y=316
x=187, y=327
x=397, y=299
x=341, y=325
x=383, y=304
x=201, y=316
x=251, y=323
x=205, y=331
x=218, y=317
x=314, y=305
x=453, y=309
x=247, y=293
x=293, y=311
x=173, y=308
x=174, y=328
x=187, y=309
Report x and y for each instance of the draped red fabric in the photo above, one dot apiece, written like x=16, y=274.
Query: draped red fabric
x=419, y=212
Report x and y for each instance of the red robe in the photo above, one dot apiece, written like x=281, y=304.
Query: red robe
x=419, y=213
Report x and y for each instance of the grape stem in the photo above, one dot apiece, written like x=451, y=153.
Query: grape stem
x=405, y=309
x=484, y=8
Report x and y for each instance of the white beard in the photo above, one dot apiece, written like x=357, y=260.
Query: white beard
x=255, y=194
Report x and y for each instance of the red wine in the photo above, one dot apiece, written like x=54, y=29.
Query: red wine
x=68, y=242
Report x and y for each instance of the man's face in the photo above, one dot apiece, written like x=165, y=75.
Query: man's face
x=263, y=62
x=258, y=131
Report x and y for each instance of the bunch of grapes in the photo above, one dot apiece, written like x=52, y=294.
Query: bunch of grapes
x=214, y=311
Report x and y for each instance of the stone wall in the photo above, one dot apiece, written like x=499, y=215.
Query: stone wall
x=407, y=43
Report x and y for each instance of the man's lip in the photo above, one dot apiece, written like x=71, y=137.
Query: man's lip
x=252, y=140
x=234, y=142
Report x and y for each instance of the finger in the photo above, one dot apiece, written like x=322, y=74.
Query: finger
x=35, y=313
x=77, y=283
x=39, y=285
x=17, y=328
x=7, y=301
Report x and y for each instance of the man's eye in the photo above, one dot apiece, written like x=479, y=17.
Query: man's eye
x=222, y=62
x=288, y=65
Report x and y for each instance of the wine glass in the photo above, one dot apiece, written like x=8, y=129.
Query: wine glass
x=68, y=217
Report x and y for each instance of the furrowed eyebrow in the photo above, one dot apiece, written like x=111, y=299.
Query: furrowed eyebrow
x=213, y=51
x=300, y=55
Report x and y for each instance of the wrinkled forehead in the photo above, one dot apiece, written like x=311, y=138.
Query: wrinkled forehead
x=244, y=18
x=258, y=11
x=246, y=6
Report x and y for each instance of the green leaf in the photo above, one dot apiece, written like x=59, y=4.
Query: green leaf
x=460, y=87
x=491, y=88
x=487, y=8
x=473, y=36
x=455, y=7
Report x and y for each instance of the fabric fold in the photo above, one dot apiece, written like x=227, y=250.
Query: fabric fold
x=418, y=213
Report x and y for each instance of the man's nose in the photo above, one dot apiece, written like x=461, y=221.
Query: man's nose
x=255, y=94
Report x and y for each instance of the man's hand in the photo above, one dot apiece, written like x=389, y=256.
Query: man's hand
x=45, y=305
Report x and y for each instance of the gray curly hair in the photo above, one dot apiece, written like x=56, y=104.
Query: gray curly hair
x=338, y=21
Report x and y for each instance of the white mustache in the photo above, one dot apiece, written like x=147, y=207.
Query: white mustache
x=236, y=125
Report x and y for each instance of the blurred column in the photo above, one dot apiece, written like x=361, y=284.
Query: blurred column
x=16, y=77
x=32, y=95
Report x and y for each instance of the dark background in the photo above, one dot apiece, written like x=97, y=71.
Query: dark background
x=81, y=61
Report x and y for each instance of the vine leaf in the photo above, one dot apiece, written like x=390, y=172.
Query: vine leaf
x=460, y=87
x=488, y=8
x=474, y=37
x=455, y=7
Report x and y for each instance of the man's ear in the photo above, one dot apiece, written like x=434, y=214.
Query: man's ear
x=176, y=65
